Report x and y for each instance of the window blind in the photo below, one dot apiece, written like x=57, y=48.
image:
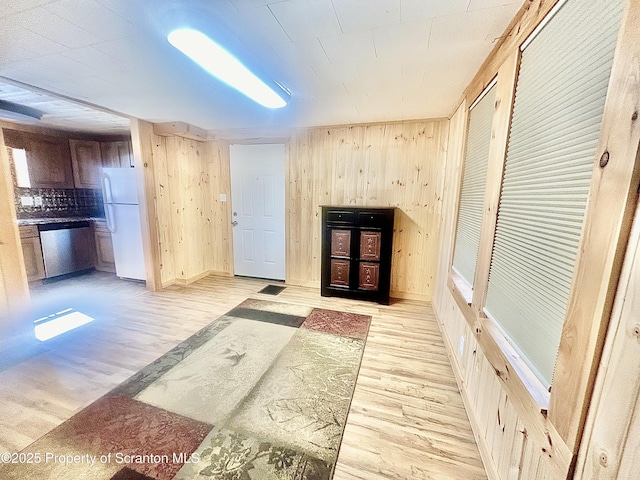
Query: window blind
x=557, y=115
x=474, y=179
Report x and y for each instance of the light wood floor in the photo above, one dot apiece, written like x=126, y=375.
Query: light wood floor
x=406, y=420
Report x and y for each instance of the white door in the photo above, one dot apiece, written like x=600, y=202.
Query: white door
x=257, y=201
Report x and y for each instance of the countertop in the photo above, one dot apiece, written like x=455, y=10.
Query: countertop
x=44, y=221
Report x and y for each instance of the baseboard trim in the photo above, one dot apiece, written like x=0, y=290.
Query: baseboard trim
x=220, y=273
x=194, y=278
x=393, y=294
x=303, y=283
x=410, y=296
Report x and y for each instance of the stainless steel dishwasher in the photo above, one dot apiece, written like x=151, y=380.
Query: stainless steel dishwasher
x=66, y=247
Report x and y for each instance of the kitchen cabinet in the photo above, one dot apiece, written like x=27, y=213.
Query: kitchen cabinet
x=116, y=154
x=104, y=247
x=32, y=252
x=90, y=156
x=48, y=158
x=356, y=252
x=86, y=158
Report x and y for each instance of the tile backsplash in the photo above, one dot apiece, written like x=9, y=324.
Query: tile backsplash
x=58, y=202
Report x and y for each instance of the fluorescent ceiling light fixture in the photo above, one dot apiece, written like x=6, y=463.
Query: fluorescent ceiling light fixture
x=59, y=323
x=224, y=66
x=15, y=111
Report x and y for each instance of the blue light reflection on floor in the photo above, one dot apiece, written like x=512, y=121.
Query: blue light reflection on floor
x=60, y=322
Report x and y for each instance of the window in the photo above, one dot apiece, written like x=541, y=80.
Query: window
x=555, y=126
x=19, y=157
x=473, y=185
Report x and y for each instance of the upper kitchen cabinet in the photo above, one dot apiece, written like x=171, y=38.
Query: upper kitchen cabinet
x=48, y=160
x=116, y=154
x=89, y=156
x=86, y=157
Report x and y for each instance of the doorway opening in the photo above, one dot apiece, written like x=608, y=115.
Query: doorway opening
x=257, y=196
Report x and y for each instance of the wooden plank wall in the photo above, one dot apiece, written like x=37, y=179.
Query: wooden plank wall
x=193, y=224
x=142, y=142
x=222, y=231
x=14, y=290
x=611, y=445
x=395, y=164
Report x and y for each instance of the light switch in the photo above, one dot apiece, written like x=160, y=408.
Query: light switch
x=223, y=197
x=26, y=201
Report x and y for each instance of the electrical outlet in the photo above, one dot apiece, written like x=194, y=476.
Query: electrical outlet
x=37, y=201
x=26, y=201
x=223, y=197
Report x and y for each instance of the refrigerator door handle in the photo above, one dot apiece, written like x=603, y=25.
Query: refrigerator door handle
x=106, y=187
x=108, y=210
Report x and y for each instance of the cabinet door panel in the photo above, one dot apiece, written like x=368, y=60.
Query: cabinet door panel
x=33, y=261
x=116, y=154
x=370, y=245
x=49, y=162
x=104, y=249
x=339, y=273
x=369, y=274
x=340, y=243
x=87, y=163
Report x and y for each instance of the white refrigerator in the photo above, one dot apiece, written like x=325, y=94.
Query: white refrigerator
x=120, y=196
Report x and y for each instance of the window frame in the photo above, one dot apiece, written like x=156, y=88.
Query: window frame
x=613, y=195
x=463, y=285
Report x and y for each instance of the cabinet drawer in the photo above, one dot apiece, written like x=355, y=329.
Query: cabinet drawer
x=341, y=216
x=28, y=231
x=373, y=219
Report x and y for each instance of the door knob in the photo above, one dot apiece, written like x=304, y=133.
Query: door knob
x=234, y=223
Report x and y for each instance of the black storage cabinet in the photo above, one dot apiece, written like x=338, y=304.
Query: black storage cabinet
x=356, y=252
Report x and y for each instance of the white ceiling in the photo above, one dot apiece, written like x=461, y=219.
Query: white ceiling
x=345, y=61
x=64, y=114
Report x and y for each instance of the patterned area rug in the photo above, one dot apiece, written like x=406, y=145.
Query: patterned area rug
x=261, y=393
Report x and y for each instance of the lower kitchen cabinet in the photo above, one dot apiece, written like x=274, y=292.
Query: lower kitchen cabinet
x=104, y=247
x=32, y=252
